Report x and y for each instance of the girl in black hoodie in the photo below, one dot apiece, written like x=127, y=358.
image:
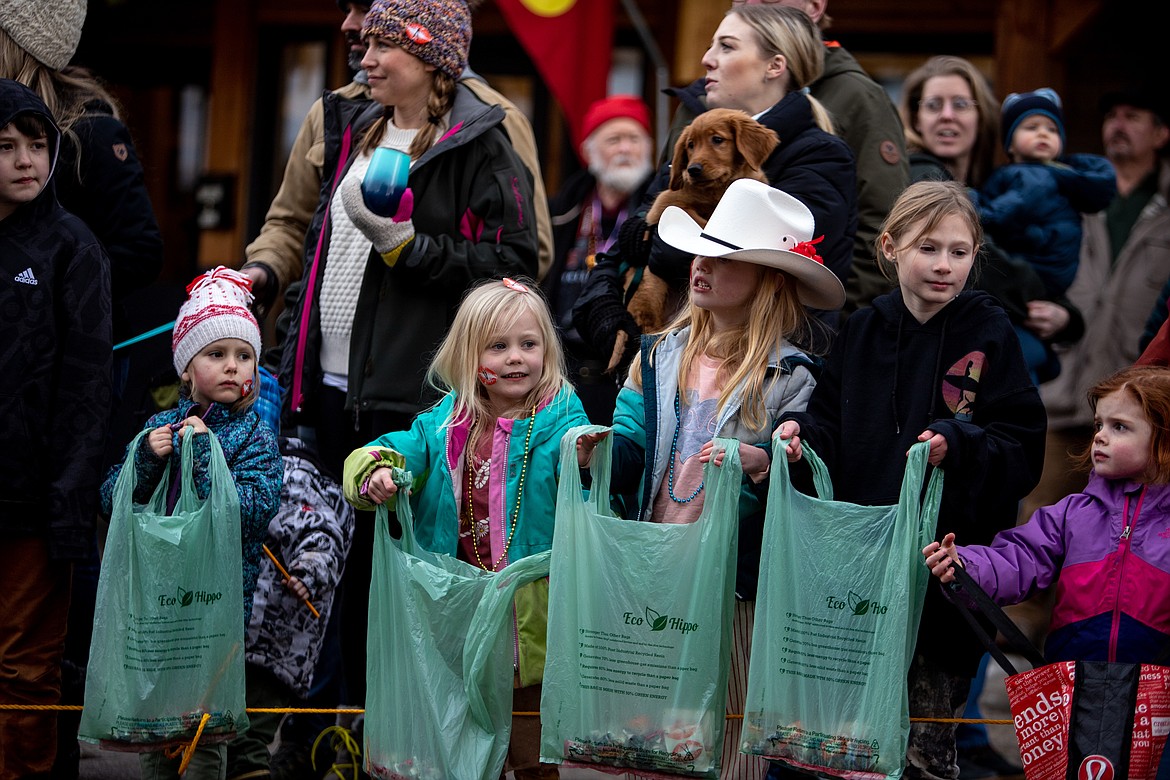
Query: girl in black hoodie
x=930, y=361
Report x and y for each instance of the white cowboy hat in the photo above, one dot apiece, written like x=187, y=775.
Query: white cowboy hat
x=757, y=223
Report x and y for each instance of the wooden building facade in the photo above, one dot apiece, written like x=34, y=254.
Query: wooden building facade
x=214, y=90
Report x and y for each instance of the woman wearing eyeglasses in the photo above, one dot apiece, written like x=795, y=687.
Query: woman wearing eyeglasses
x=950, y=119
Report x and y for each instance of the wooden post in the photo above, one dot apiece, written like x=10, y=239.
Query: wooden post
x=229, y=123
x=697, y=21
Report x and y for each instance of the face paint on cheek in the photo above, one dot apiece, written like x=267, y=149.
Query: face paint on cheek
x=487, y=376
x=246, y=388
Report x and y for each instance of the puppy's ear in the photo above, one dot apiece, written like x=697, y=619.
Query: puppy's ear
x=754, y=141
x=678, y=164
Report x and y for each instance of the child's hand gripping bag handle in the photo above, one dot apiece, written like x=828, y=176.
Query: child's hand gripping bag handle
x=570, y=487
x=155, y=520
x=400, y=504
x=821, y=480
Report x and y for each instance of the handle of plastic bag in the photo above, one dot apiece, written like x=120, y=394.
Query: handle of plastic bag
x=128, y=478
x=494, y=611
x=821, y=479
x=156, y=521
x=719, y=481
x=189, y=500
x=402, y=510
x=924, y=511
x=599, y=466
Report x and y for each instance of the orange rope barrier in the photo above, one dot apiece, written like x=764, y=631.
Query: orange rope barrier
x=191, y=748
x=521, y=714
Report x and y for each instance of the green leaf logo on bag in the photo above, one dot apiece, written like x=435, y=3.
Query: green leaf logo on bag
x=659, y=622
x=857, y=605
x=185, y=598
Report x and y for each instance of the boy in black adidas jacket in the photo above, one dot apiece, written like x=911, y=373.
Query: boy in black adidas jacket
x=54, y=403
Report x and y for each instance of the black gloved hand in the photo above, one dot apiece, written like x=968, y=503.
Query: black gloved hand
x=604, y=320
x=634, y=241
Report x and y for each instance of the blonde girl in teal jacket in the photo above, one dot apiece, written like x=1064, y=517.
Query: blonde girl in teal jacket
x=485, y=460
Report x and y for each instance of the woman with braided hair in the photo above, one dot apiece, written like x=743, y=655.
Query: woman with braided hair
x=379, y=293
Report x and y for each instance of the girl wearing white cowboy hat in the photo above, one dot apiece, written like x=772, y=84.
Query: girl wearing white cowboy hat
x=724, y=367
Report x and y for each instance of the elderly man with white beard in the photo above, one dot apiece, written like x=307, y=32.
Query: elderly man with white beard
x=586, y=215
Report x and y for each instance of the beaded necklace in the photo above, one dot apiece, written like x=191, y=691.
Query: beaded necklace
x=591, y=228
x=673, y=453
x=469, y=468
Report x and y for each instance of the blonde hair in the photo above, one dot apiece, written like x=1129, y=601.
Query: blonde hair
x=791, y=33
x=774, y=315
x=987, y=128
x=65, y=92
x=918, y=210
x=439, y=104
x=488, y=311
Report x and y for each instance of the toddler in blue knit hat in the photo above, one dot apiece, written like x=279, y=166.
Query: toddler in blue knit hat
x=1031, y=207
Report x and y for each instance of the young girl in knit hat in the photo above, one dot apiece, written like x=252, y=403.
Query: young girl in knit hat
x=215, y=344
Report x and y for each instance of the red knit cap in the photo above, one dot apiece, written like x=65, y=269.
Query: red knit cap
x=615, y=107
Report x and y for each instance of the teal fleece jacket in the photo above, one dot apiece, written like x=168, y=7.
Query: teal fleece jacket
x=433, y=453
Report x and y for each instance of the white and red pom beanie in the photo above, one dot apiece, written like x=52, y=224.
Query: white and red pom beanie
x=216, y=308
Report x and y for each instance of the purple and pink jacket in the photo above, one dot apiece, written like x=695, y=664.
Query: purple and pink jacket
x=1108, y=552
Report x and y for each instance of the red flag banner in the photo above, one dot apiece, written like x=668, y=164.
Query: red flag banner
x=570, y=42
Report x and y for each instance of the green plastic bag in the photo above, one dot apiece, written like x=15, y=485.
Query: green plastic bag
x=639, y=631
x=439, y=658
x=168, y=632
x=840, y=597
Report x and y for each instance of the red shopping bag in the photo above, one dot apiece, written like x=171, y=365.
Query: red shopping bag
x=1078, y=720
x=1093, y=721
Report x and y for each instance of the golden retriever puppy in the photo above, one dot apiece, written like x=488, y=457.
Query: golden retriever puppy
x=718, y=147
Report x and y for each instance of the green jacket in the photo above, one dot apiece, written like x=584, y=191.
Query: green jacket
x=433, y=453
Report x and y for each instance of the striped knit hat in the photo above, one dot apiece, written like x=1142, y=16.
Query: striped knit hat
x=1018, y=106
x=216, y=308
x=438, y=32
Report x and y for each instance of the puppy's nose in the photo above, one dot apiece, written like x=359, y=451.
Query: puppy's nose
x=695, y=170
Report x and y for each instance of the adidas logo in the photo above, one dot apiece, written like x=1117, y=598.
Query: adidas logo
x=26, y=277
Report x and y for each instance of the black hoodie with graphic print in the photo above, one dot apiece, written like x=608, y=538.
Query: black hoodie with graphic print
x=54, y=362
x=960, y=374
